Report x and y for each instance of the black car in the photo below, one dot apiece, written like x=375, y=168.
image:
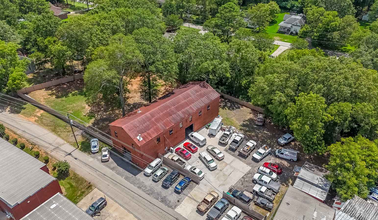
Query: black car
x=170, y=179
x=241, y=196
x=264, y=203
x=96, y=207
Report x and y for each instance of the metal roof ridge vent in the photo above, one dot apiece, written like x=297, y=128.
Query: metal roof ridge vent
x=140, y=137
x=139, y=111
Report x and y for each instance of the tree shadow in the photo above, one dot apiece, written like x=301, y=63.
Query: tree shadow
x=228, y=105
x=65, y=89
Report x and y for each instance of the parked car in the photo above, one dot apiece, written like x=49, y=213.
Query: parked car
x=177, y=160
x=266, y=181
x=97, y=206
x=195, y=171
x=209, y=200
x=215, y=126
x=226, y=136
x=197, y=138
x=105, y=156
x=285, y=139
x=247, y=148
x=218, y=209
x=182, y=184
x=260, y=120
x=273, y=167
x=235, y=143
x=267, y=172
x=190, y=147
x=158, y=175
x=264, y=192
x=287, y=154
x=170, y=179
x=215, y=152
x=208, y=161
x=261, y=153
x=95, y=145
x=264, y=203
x=183, y=153
x=153, y=167
x=233, y=214
x=241, y=196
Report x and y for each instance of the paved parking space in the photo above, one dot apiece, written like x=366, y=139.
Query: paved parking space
x=112, y=211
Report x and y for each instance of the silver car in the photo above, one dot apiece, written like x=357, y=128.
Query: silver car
x=158, y=175
x=95, y=145
x=215, y=152
x=208, y=161
x=105, y=156
x=285, y=139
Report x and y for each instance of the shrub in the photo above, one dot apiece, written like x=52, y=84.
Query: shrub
x=46, y=159
x=14, y=141
x=2, y=130
x=36, y=154
x=62, y=169
x=22, y=146
x=6, y=137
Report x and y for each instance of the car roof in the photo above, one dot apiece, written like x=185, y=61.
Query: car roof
x=287, y=135
x=266, y=178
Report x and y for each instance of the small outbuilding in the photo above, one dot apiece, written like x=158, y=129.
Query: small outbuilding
x=151, y=131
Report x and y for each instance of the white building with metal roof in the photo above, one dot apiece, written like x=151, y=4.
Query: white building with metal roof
x=57, y=207
x=357, y=209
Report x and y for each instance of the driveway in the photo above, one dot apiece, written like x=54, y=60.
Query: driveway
x=112, y=211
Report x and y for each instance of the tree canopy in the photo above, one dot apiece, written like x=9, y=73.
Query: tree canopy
x=261, y=15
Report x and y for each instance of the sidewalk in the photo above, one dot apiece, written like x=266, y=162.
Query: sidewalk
x=135, y=201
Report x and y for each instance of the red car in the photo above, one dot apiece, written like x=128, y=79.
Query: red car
x=273, y=167
x=190, y=147
x=183, y=153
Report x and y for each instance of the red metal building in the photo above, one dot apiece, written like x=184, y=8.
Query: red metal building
x=25, y=182
x=153, y=129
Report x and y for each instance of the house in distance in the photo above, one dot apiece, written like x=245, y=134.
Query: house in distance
x=150, y=131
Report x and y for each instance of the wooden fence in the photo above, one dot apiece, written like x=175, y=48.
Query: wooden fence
x=50, y=83
x=174, y=166
x=243, y=103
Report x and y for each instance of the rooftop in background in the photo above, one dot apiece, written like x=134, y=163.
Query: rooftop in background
x=21, y=174
x=311, y=180
x=297, y=205
x=169, y=110
x=58, y=11
x=57, y=207
x=357, y=209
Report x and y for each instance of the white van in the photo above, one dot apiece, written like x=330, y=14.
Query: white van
x=197, y=139
x=153, y=166
x=215, y=126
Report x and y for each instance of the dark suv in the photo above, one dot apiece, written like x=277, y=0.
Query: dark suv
x=96, y=207
x=170, y=179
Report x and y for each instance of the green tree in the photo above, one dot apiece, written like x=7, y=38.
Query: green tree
x=9, y=12
x=159, y=57
x=299, y=43
x=353, y=166
x=2, y=130
x=17, y=80
x=307, y=117
x=62, y=169
x=173, y=22
x=261, y=15
x=342, y=7
x=58, y=54
x=261, y=41
x=8, y=33
x=341, y=113
x=226, y=22
x=373, y=13
x=326, y=29
x=10, y=65
x=32, y=6
x=112, y=68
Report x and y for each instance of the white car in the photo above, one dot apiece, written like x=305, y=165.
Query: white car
x=208, y=161
x=267, y=172
x=233, y=214
x=215, y=152
x=195, y=171
x=105, y=156
x=95, y=145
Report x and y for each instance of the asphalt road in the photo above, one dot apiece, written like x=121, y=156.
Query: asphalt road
x=135, y=201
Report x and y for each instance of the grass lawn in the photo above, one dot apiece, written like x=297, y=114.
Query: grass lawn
x=228, y=120
x=77, y=6
x=75, y=187
x=273, y=28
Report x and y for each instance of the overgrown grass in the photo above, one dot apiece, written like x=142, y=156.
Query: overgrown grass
x=75, y=187
x=273, y=28
x=228, y=121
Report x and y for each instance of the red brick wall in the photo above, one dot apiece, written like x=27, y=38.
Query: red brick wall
x=33, y=201
x=166, y=140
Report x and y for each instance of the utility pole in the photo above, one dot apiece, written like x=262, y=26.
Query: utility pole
x=71, y=122
x=121, y=97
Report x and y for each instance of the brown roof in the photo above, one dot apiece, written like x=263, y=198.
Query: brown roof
x=167, y=111
x=57, y=10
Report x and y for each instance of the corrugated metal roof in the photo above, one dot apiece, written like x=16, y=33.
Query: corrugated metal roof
x=357, y=209
x=297, y=205
x=167, y=111
x=311, y=180
x=57, y=207
x=21, y=174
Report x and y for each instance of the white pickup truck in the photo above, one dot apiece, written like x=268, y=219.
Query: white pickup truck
x=264, y=192
x=261, y=153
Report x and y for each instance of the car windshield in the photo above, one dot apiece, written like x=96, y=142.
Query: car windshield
x=186, y=153
x=104, y=155
x=150, y=167
x=210, y=161
x=258, y=153
x=199, y=173
x=92, y=208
